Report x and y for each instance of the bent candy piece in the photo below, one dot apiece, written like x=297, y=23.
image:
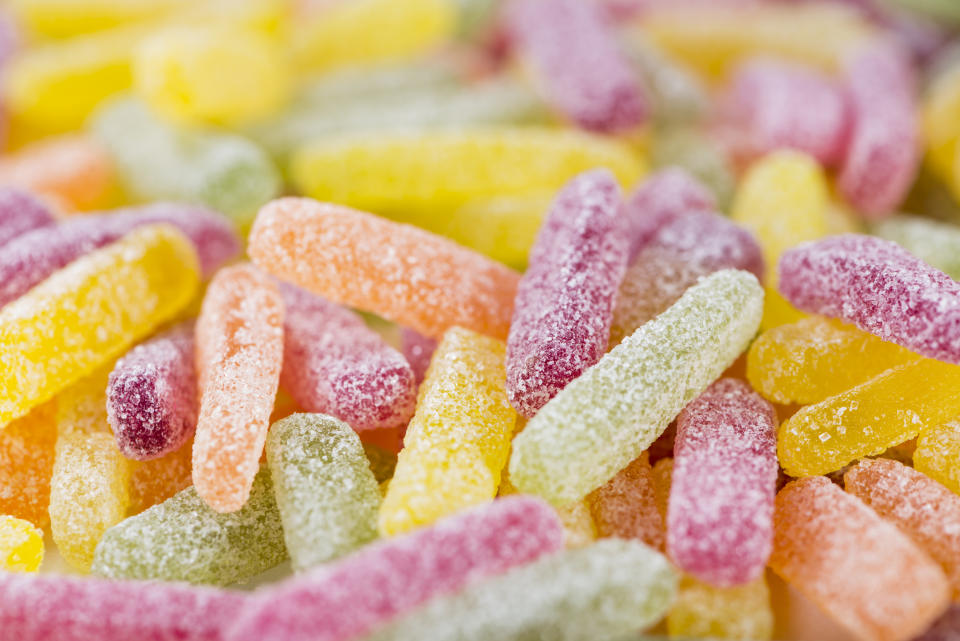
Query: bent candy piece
x=334, y=364
x=418, y=350
x=402, y=273
x=83, y=608
x=20, y=212
x=938, y=449
x=625, y=506
x=239, y=352
x=933, y=242
x=572, y=52
x=879, y=287
x=815, y=358
x=604, y=419
x=182, y=539
x=923, y=509
x=458, y=441
x=26, y=464
x=564, y=304
x=348, y=598
x=21, y=546
x=703, y=611
x=859, y=569
x=724, y=479
x=607, y=590
x=326, y=493
x=91, y=311
x=152, y=396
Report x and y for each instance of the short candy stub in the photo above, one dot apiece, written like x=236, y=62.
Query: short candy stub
x=21, y=546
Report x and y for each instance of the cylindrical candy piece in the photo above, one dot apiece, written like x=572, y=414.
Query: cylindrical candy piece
x=703, y=611
x=933, y=242
x=400, y=272
x=355, y=595
x=21, y=546
x=604, y=419
x=562, y=313
x=326, y=492
x=938, y=450
x=239, y=353
x=20, y=212
x=26, y=464
x=625, y=507
x=459, y=439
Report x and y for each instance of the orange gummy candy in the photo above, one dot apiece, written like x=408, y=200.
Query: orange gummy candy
x=26, y=464
x=156, y=480
x=626, y=505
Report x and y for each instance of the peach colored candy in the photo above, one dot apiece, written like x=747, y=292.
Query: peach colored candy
x=156, y=480
x=402, y=273
x=26, y=464
x=626, y=505
x=239, y=343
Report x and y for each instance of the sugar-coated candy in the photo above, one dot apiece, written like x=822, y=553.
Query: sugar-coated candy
x=152, y=396
x=923, y=509
x=940, y=129
x=936, y=454
x=879, y=287
x=182, y=539
x=458, y=440
x=20, y=212
x=158, y=479
x=26, y=463
x=626, y=507
x=91, y=311
x=677, y=95
x=571, y=51
x=740, y=612
x=239, y=351
x=933, y=242
x=21, y=546
x=605, y=418
x=418, y=350
x=564, y=304
x=345, y=599
x=334, y=364
x=66, y=18
x=606, y=590
x=402, y=273
x=815, y=358
x=688, y=147
x=326, y=492
x=862, y=571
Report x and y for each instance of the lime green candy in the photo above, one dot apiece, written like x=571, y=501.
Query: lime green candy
x=605, y=418
x=326, y=492
x=933, y=242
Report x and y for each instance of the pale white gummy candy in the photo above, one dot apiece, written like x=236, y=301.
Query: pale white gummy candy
x=605, y=418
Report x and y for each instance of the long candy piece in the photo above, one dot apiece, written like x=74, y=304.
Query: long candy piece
x=26, y=464
x=21, y=545
x=20, y=212
x=603, y=420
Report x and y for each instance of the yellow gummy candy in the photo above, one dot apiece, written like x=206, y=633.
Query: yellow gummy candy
x=937, y=453
x=91, y=311
x=21, y=545
x=458, y=441
x=887, y=410
x=502, y=228
x=703, y=611
x=65, y=18
x=941, y=128
x=815, y=358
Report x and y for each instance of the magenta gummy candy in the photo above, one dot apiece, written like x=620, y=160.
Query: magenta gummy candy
x=21, y=212
x=720, y=513
x=152, y=395
x=564, y=304
x=352, y=596
x=572, y=53
x=418, y=350
x=334, y=364
x=879, y=287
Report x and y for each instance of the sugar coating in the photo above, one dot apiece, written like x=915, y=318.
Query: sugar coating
x=239, y=353
x=945, y=628
x=924, y=510
x=815, y=358
x=26, y=463
x=937, y=449
x=402, y=273
x=571, y=50
x=20, y=212
x=860, y=570
x=458, y=440
x=21, y=545
x=348, y=598
x=334, y=364
x=564, y=304
x=69, y=608
x=626, y=507
x=703, y=611
x=723, y=482
x=607, y=590
x=158, y=479
x=603, y=420
x=418, y=350
x=933, y=242
x=879, y=287
x=90, y=311
x=326, y=492
x=575, y=518
x=182, y=539
x=152, y=395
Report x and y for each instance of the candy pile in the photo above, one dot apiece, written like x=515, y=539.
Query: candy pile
x=479, y=320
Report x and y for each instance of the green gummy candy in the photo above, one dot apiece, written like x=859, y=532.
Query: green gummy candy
x=182, y=539
x=605, y=418
x=933, y=242
x=326, y=492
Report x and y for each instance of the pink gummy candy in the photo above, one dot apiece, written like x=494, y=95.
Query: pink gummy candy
x=720, y=514
x=21, y=212
x=69, y=608
x=351, y=597
x=152, y=395
x=564, y=304
x=879, y=287
x=883, y=152
x=418, y=350
x=334, y=364
x=572, y=52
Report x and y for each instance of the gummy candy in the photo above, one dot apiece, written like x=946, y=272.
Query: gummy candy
x=677, y=96
x=21, y=212
x=21, y=545
x=418, y=350
x=703, y=157
x=937, y=448
x=26, y=463
x=933, y=242
x=65, y=18
x=156, y=480
x=705, y=611
x=625, y=506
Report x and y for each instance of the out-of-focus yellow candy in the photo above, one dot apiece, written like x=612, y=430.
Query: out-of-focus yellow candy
x=65, y=18
x=91, y=311
x=353, y=32
x=941, y=127
x=783, y=199
x=458, y=441
x=703, y=611
x=938, y=453
x=21, y=545
x=502, y=228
